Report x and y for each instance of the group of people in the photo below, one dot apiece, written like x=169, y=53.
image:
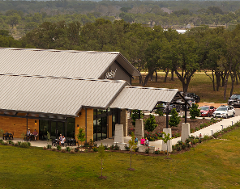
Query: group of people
x=29, y=134
x=143, y=141
x=62, y=139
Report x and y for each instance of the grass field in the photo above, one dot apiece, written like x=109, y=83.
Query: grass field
x=212, y=164
x=200, y=84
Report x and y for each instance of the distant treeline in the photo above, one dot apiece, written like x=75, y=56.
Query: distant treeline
x=21, y=17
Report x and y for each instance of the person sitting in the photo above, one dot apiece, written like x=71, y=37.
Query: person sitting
x=63, y=140
x=146, y=142
x=28, y=134
x=35, y=133
x=142, y=141
x=60, y=139
x=136, y=140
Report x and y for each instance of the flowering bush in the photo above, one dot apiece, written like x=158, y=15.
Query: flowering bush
x=153, y=136
x=157, y=151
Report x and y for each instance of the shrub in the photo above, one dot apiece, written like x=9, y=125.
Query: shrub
x=10, y=142
x=76, y=149
x=147, y=150
x=63, y=150
x=112, y=147
x=194, y=111
x=53, y=149
x=59, y=147
x=95, y=149
x=180, y=142
x=215, y=135
x=157, y=151
x=127, y=147
x=184, y=146
x=91, y=142
x=25, y=145
x=178, y=147
x=49, y=146
x=72, y=151
x=152, y=139
x=86, y=144
x=174, y=119
x=68, y=149
x=206, y=137
x=44, y=148
x=150, y=123
x=135, y=114
x=116, y=147
x=106, y=147
x=16, y=144
x=213, y=120
x=136, y=149
x=1, y=141
x=19, y=143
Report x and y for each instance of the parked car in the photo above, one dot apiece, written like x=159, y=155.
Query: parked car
x=234, y=100
x=224, y=111
x=207, y=111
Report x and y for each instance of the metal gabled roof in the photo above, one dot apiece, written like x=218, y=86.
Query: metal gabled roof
x=61, y=63
x=142, y=98
x=55, y=95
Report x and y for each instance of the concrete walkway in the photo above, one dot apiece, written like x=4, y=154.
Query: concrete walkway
x=158, y=143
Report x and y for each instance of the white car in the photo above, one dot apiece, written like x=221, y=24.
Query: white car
x=224, y=111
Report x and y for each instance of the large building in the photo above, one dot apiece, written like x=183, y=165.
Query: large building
x=61, y=91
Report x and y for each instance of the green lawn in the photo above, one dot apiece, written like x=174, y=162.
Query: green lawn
x=200, y=84
x=212, y=164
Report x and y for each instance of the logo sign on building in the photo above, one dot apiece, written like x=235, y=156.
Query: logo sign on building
x=111, y=74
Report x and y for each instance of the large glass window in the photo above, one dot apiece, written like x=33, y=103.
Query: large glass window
x=55, y=128
x=100, y=124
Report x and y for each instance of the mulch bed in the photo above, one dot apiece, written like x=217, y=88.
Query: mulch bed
x=161, y=121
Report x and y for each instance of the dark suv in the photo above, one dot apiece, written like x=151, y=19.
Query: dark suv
x=194, y=96
x=234, y=100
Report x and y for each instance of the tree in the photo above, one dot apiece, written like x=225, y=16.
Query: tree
x=132, y=146
x=187, y=62
x=13, y=20
x=166, y=138
x=159, y=110
x=150, y=123
x=101, y=155
x=81, y=136
x=174, y=119
x=136, y=114
x=194, y=111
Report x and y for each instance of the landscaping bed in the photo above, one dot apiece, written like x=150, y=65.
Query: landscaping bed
x=176, y=131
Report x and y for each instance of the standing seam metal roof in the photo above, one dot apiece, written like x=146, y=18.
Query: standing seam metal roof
x=55, y=96
x=60, y=63
x=142, y=98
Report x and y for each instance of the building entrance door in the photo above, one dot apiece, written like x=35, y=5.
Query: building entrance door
x=57, y=128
